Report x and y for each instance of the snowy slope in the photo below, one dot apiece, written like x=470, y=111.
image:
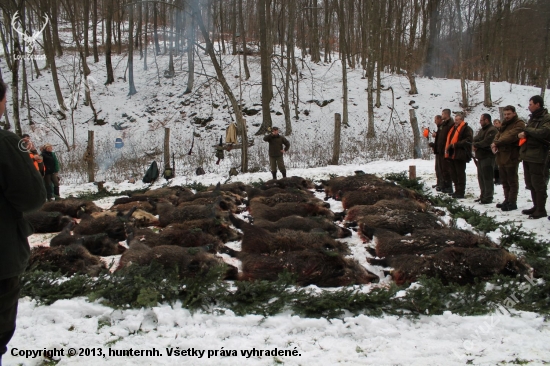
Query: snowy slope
x=156, y=106
x=447, y=339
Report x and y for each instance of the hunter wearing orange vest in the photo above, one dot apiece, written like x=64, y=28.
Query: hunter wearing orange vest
x=458, y=151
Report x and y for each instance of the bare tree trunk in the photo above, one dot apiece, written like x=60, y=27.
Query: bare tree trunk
x=433, y=9
x=243, y=39
x=108, y=42
x=86, y=27
x=94, y=31
x=191, y=52
x=265, y=69
x=25, y=85
x=15, y=84
x=372, y=14
x=49, y=49
x=120, y=15
x=155, y=30
x=145, y=40
x=132, y=88
x=546, y=55
x=488, y=101
x=410, y=48
x=460, y=56
x=171, y=70
x=315, y=53
x=55, y=31
x=343, y=56
x=328, y=18
x=234, y=26
x=289, y=48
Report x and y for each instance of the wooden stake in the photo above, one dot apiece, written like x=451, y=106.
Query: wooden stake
x=412, y=172
x=90, y=156
x=166, y=147
x=337, y=131
x=417, y=152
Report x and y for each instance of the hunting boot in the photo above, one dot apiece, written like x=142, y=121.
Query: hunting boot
x=56, y=193
x=534, y=208
x=510, y=206
x=540, y=205
x=284, y=173
x=274, y=174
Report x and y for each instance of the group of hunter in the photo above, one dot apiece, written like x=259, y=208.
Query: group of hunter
x=499, y=146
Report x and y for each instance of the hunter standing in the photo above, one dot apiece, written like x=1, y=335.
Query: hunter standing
x=485, y=158
x=276, y=151
x=458, y=151
x=506, y=148
x=438, y=120
x=535, y=141
x=21, y=190
x=440, y=143
x=51, y=178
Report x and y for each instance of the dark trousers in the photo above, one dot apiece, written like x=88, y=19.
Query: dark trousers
x=535, y=180
x=485, y=176
x=50, y=179
x=9, y=296
x=458, y=175
x=438, y=174
x=510, y=182
x=445, y=171
x=275, y=162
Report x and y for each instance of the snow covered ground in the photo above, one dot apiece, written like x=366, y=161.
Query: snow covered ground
x=447, y=339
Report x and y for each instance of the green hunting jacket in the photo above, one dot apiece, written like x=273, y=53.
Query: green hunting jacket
x=483, y=140
x=537, y=132
x=21, y=190
x=276, y=145
x=507, y=140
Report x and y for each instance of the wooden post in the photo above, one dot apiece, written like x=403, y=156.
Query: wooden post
x=417, y=152
x=412, y=171
x=90, y=156
x=337, y=130
x=166, y=147
x=244, y=147
x=501, y=113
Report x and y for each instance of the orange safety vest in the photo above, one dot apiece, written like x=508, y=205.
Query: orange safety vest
x=454, y=139
x=34, y=162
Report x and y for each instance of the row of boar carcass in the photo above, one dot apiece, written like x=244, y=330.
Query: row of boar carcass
x=289, y=229
x=410, y=238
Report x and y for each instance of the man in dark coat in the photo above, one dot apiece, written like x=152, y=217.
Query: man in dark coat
x=458, y=151
x=440, y=142
x=438, y=120
x=505, y=146
x=50, y=175
x=21, y=190
x=276, y=151
x=485, y=158
x=535, y=142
